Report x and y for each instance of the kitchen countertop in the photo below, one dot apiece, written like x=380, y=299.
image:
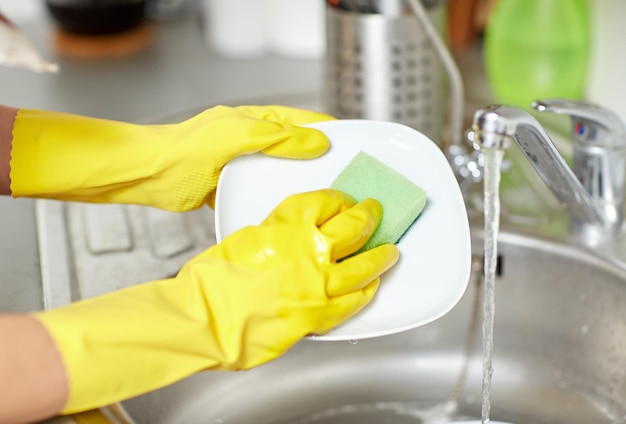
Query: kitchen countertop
x=175, y=76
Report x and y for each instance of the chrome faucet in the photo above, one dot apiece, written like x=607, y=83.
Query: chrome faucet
x=592, y=191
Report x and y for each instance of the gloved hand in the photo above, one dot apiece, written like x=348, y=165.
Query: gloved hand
x=174, y=167
x=239, y=304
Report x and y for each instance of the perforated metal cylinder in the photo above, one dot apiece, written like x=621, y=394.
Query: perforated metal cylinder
x=384, y=68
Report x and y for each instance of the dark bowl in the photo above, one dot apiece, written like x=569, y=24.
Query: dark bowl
x=97, y=17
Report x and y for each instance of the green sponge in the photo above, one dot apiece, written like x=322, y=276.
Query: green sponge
x=403, y=201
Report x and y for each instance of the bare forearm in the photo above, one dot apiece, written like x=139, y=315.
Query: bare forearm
x=34, y=383
x=7, y=118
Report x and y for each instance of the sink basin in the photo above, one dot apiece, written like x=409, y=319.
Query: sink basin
x=559, y=357
x=560, y=329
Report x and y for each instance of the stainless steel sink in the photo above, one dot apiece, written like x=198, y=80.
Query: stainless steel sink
x=560, y=328
x=560, y=357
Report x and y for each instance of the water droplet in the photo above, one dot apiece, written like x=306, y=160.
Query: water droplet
x=584, y=329
x=353, y=341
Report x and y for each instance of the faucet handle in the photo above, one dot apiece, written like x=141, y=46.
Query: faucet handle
x=591, y=123
x=599, y=154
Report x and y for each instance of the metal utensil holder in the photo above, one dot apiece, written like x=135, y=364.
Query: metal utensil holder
x=382, y=65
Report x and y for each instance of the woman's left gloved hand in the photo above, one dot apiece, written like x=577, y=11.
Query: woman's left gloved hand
x=174, y=167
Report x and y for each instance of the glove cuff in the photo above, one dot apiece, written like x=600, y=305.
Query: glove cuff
x=70, y=157
x=126, y=343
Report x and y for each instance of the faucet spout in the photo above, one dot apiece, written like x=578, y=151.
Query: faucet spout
x=592, y=192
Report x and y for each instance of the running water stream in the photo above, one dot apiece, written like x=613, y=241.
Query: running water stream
x=491, y=181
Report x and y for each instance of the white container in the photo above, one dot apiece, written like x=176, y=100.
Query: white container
x=295, y=28
x=253, y=28
x=236, y=28
x=606, y=84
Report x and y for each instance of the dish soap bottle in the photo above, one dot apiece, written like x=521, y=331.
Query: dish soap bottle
x=537, y=49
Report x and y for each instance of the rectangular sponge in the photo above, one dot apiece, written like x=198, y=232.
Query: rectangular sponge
x=403, y=201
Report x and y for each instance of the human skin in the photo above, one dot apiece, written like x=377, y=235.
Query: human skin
x=29, y=358
x=7, y=117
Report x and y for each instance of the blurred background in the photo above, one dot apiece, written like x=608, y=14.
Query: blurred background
x=527, y=49
x=157, y=61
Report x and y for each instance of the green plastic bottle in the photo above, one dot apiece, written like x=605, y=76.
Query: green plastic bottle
x=537, y=49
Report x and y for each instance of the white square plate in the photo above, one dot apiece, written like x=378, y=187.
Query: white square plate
x=435, y=253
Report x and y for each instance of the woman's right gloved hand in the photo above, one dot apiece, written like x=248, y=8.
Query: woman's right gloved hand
x=239, y=304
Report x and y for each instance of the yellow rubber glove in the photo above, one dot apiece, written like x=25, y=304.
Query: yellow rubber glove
x=239, y=304
x=174, y=167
